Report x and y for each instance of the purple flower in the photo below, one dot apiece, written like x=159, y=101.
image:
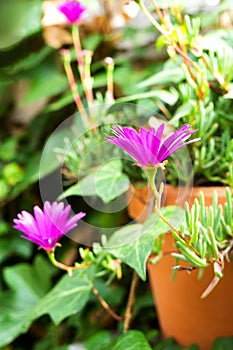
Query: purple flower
x=46, y=227
x=147, y=147
x=72, y=10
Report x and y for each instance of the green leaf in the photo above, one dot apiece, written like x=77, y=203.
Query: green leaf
x=132, y=340
x=107, y=182
x=133, y=243
x=85, y=187
x=166, y=96
x=29, y=62
x=14, y=245
x=18, y=20
x=27, y=285
x=36, y=168
x=92, y=41
x=223, y=344
x=45, y=85
x=167, y=76
x=110, y=182
x=99, y=341
x=27, y=300
x=60, y=103
x=68, y=297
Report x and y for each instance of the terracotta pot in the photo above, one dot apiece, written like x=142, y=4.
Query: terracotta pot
x=182, y=314
x=139, y=198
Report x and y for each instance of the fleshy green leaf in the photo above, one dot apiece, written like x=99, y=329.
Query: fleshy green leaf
x=164, y=95
x=167, y=76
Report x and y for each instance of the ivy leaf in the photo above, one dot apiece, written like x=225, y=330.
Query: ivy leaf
x=68, y=297
x=27, y=285
x=27, y=300
x=107, y=182
x=133, y=243
x=110, y=182
x=85, y=187
x=132, y=340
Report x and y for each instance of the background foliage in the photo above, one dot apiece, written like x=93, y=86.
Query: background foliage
x=35, y=99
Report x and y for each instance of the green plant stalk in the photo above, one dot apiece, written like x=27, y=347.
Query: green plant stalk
x=151, y=174
x=78, y=50
x=73, y=86
x=83, y=67
x=88, y=80
x=62, y=266
x=110, y=86
x=152, y=20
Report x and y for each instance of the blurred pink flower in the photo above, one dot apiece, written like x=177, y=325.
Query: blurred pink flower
x=72, y=10
x=46, y=227
x=148, y=147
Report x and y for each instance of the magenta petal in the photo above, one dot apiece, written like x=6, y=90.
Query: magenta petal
x=147, y=147
x=72, y=10
x=48, y=225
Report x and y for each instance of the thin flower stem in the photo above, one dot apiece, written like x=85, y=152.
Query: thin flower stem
x=110, y=86
x=130, y=303
x=159, y=12
x=151, y=173
x=62, y=266
x=83, y=67
x=153, y=21
x=162, y=217
x=74, y=90
x=106, y=306
x=78, y=50
x=88, y=81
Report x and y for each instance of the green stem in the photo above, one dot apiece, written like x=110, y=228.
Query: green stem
x=109, y=69
x=88, y=80
x=78, y=50
x=62, y=266
x=73, y=85
x=152, y=20
x=151, y=174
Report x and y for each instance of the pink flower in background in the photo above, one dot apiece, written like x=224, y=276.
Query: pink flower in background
x=72, y=10
x=148, y=147
x=47, y=226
